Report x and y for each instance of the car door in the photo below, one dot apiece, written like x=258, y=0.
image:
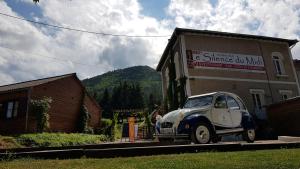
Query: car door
x=220, y=112
x=235, y=111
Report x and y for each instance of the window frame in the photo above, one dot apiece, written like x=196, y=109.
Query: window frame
x=277, y=60
x=233, y=108
x=11, y=113
x=215, y=101
x=261, y=97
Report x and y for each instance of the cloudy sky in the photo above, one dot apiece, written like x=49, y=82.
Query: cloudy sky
x=29, y=51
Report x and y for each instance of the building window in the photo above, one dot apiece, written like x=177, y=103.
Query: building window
x=285, y=94
x=278, y=63
x=258, y=98
x=9, y=110
x=12, y=109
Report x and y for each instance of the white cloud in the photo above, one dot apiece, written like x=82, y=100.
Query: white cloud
x=46, y=51
x=43, y=51
x=280, y=18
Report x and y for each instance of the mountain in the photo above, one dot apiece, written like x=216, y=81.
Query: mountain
x=148, y=79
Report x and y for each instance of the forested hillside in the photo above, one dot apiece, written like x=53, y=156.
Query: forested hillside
x=146, y=78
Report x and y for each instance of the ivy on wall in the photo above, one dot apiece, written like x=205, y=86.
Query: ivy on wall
x=84, y=118
x=174, y=89
x=182, y=90
x=40, y=108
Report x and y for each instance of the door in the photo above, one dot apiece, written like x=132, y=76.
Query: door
x=259, y=102
x=235, y=111
x=220, y=112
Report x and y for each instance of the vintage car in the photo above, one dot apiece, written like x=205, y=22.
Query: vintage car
x=208, y=117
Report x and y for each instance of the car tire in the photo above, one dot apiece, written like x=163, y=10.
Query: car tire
x=249, y=135
x=202, y=133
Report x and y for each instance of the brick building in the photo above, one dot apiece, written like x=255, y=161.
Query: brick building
x=257, y=68
x=67, y=94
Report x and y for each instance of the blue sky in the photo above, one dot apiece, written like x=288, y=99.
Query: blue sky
x=24, y=46
x=24, y=9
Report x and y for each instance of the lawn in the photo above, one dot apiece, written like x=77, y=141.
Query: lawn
x=264, y=159
x=59, y=139
x=50, y=140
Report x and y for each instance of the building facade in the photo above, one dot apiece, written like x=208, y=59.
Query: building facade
x=259, y=69
x=67, y=94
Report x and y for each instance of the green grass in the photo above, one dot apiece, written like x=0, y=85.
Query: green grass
x=59, y=139
x=263, y=159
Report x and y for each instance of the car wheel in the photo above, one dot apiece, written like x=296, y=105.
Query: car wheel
x=249, y=135
x=202, y=133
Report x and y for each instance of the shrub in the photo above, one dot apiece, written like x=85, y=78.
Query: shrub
x=59, y=139
x=83, y=122
x=40, y=108
x=115, y=128
x=105, y=127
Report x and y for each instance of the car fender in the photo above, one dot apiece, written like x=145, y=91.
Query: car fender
x=192, y=121
x=248, y=121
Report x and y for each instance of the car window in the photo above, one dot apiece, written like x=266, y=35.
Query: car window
x=220, y=102
x=198, y=101
x=232, y=103
x=243, y=107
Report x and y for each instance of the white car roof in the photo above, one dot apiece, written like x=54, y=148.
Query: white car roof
x=213, y=93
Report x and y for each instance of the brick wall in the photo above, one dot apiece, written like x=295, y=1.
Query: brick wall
x=66, y=97
x=94, y=111
x=15, y=124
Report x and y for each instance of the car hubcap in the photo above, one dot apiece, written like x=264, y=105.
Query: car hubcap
x=202, y=134
x=251, y=134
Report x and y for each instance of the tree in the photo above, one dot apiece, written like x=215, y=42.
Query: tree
x=138, y=97
x=151, y=103
x=127, y=97
x=105, y=103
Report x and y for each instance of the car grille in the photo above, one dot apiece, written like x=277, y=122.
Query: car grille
x=166, y=125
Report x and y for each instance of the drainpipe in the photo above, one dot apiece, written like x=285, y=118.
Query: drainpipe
x=27, y=108
x=268, y=78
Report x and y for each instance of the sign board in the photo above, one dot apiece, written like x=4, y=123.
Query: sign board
x=205, y=59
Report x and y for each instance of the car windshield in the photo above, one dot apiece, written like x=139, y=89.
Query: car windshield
x=198, y=101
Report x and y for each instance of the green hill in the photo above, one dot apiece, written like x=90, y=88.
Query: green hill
x=145, y=76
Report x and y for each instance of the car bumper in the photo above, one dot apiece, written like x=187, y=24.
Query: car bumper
x=170, y=133
x=172, y=136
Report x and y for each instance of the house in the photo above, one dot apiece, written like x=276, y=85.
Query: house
x=259, y=69
x=297, y=68
x=67, y=94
